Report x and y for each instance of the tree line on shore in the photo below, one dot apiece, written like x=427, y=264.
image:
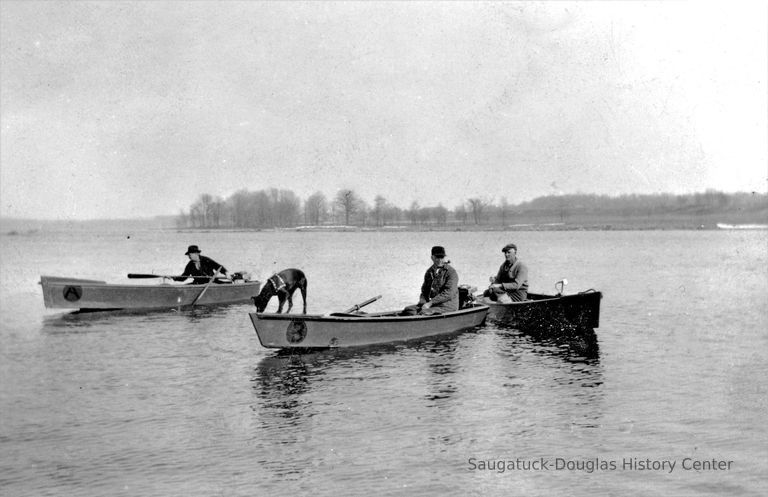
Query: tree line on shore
x=281, y=208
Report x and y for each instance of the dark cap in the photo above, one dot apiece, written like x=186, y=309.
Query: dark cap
x=438, y=251
x=509, y=247
x=192, y=249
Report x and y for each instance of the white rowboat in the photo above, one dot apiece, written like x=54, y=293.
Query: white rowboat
x=307, y=331
x=74, y=293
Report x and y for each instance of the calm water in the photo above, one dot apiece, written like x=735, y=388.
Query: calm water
x=189, y=403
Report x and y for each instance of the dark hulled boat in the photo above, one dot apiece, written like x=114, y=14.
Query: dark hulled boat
x=549, y=315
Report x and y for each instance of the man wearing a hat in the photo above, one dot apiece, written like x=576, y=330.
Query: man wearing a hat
x=200, y=265
x=511, y=282
x=440, y=290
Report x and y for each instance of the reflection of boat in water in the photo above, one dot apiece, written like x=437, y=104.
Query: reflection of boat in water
x=582, y=346
x=343, y=329
x=74, y=293
x=87, y=320
x=282, y=379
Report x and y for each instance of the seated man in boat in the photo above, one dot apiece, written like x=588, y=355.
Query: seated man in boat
x=200, y=265
x=440, y=290
x=511, y=282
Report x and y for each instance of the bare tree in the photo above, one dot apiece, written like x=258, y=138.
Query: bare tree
x=261, y=212
x=460, y=212
x=362, y=212
x=477, y=206
x=392, y=214
x=315, y=208
x=379, y=209
x=423, y=215
x=503, y=210
x=413, y=212
x=286, y=208
x=201, y=212
x=217, y=211
x=347, y=200
x=440, y=214
x=239, y=203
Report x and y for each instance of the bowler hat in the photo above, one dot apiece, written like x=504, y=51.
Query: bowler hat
x=438, y=251
x=509, y=247
x=192, y=250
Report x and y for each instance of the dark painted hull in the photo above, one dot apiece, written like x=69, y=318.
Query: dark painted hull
x=549, y=314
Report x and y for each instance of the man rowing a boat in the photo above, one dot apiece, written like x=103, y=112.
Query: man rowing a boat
x=440, y=290
x=511, y=282
x=200, y=267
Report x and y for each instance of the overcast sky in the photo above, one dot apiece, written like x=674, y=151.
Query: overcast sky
x=127, y=109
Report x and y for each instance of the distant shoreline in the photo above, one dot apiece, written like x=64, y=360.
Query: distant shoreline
x=470, y=229
x=410, y=229
x=710, y=210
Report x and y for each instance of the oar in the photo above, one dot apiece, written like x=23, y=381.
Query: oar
x=357, y=307
x=206, y=287
x=136, y=276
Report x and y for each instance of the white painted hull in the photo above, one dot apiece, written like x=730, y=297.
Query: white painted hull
x=73, y=293
x=344, y=330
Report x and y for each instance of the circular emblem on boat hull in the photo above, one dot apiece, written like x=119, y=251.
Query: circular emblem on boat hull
x=296, y=332
x=73, y=293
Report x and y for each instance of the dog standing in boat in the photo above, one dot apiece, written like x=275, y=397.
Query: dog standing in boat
x=282, y=284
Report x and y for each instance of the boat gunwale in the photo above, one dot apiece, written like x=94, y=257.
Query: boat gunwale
x=366, y=318
x=546, y=299
x=95, y=283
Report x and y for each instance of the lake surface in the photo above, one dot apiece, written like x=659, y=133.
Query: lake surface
x=189, y=403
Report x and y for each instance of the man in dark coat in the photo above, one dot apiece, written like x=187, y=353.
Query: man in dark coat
x=440, y=290
x=202, y=266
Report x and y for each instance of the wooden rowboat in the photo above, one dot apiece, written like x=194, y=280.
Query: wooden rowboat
x=74, y=293
x=554, y=315
x=307, y=331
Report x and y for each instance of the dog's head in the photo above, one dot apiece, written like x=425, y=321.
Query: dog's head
x=262, y=299
x=259, y=302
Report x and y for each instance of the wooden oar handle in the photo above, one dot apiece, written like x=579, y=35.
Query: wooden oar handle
x=206, y=287
x=362, y=304
x=134, y=276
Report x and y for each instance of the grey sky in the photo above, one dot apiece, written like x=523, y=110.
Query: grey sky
x=123, y=109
